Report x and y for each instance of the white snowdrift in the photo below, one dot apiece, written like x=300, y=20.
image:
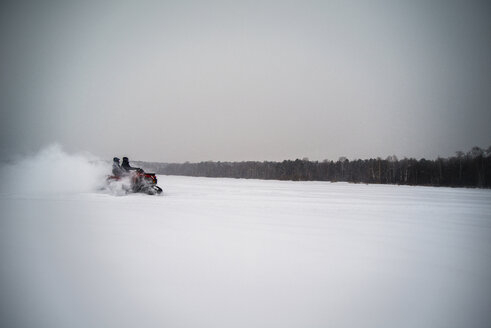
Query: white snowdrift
x=245, y=253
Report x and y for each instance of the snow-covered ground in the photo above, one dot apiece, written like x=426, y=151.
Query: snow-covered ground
x=246, y=253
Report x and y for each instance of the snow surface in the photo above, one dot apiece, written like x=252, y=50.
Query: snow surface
x=238, y=253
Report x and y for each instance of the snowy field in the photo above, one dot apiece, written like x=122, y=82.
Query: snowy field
x=241, y=253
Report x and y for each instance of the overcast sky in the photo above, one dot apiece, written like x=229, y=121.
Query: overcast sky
x=182, y=81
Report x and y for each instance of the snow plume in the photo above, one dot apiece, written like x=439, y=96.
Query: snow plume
x=117, y=187
x=52, y=170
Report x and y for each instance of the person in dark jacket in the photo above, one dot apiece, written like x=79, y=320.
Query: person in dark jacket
x=117, y=170
x=126, y=165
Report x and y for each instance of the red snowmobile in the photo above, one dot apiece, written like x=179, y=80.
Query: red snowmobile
x=140, y=181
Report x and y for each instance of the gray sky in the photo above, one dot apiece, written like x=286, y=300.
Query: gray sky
x=246, y=80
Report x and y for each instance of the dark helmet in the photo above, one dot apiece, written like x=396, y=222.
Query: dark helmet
x=115, y=159
x=125, y=159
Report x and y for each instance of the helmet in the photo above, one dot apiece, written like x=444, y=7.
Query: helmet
x=125, y=159
x=115, y=159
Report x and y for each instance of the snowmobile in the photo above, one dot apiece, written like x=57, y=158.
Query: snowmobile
x=140, y=181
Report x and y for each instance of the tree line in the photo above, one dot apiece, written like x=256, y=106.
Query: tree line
x=471, y=169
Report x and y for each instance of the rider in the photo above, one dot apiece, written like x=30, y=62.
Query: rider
x=136, y=179
x=126, y=165
x=117, y=170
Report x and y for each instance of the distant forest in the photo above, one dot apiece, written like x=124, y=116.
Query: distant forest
x=471, y=169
